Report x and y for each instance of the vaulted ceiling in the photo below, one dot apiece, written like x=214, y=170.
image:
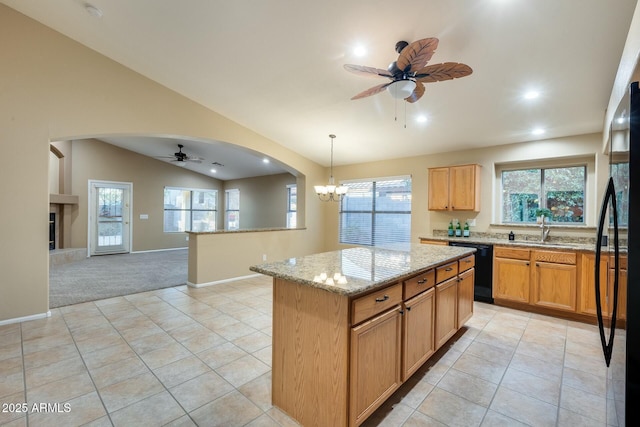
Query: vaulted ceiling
x=276, y=66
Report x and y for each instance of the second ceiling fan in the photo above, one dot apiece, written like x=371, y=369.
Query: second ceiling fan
x=409, y=73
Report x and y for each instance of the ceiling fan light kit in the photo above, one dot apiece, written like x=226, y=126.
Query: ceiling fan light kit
x=401, y=89
x=330, y=191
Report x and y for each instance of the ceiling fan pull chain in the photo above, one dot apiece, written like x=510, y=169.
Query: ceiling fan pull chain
x=395, y=110
x=405, y=115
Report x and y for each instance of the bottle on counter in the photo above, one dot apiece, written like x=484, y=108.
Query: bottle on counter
x=458, y=229
x=465, y=232
x=450, y=230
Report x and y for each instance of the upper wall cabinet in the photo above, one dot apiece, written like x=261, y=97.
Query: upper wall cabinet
x=454, y=188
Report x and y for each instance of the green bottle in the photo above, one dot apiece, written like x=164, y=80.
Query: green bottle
x=450, y=231
x=458, y=230
x=465, y=232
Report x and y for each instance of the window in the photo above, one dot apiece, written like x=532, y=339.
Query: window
x=232, y=210
x=620, y=174
x=376, y=212
x=292, y=197
x=561, y=190
x=189, y=210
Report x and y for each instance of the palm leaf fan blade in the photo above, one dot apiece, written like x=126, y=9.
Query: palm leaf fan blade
x=441, y=72
x=372, y=91
x=362, y=70
x=416, y=94
x=417, y=54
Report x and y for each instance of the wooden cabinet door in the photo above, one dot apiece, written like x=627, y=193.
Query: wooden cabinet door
x=446, y=310
x=588, y=283
x=554, y=286
x=462, y=188
x=375, y=363
x=439, y=189
x=418, y=332
x=511, y=279
x=465, y=296
x=622, y=293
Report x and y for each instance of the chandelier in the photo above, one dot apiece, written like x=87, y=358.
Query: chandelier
x=330, y=192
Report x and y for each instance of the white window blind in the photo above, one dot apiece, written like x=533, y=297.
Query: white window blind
x=376, y=212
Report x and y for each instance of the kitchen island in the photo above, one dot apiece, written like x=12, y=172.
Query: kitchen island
x=350, y=326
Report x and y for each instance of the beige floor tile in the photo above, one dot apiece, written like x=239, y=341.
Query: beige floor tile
x=587, y=404
x=536, y=366
x=12, y=413
x=242, y=370
x=413, y=392
x=82, y=410
x=495, y=419
x=263, y=420
x=523, y=408
x=175, y=322
x=418, y=419
x=184, y=421
x=568, y=418
x=234, y=331
x=165, y=355
x=14, y=337
x=151, y=342
x=498, y=355
x=180, y=371
x=584, y=381
x=258, y=391
x=10, y=351
x=118, y=371
x=253, y=342
x=11, y=384
x=230, y=410
x=468, y=386
x=548, y=353
x=265, y=355
x=282, y=418
x=54, y=371
x=532, y=385
x=11, y=366
x=203, y=341
x=498, y=340
x=480, y=368
x=221, y=355
x=451, y=409
x=99, y=342
x=592, y=365
x=200, y=390
x=389, y=414
x=10, y=328
x=106, y=356
x=82, y=334
x=219, y=322
x=62, y=390
x=159, y=409
x=119, y=395
x=47, y=342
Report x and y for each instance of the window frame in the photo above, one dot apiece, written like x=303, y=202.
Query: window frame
x=587, y=163
x=292, y=213
x=373, y=211
x=190, y=211
x=227, y=210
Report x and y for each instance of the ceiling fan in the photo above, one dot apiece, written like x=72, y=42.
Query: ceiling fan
x=181, y=158
x=409, y=73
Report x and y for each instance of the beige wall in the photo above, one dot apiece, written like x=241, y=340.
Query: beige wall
x=263, y=200
x=54, y=89
x=424, y=221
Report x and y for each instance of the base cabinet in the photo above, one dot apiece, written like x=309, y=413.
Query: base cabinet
x=418, y=332
x=446, y=311
x=607, y=275
x=375, y=363
x=465, y=296
x=554, y=286
x=511, y=279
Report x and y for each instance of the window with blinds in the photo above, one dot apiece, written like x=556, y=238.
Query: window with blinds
x=376, y=212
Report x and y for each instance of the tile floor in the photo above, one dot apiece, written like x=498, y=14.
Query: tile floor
x=182, y=357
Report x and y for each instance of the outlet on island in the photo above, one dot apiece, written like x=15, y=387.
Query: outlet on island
x=264, y=257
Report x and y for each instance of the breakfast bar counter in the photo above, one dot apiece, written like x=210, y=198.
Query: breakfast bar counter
x=350, y=326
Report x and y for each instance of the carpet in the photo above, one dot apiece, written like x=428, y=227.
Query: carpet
x=108, y=276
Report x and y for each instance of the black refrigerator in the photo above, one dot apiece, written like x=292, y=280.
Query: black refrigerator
x=618, y=245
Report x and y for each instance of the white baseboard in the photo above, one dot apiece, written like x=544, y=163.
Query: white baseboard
x=25, y=318
x=159, y=250
x=217, y=282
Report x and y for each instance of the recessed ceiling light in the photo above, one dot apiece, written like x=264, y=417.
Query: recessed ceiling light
x=620, y=120
x=265, y=160
x=537, y=131
x=421, y=118
x=359, y=51
x=213, y=171
x=93, y=11
x=532, y=94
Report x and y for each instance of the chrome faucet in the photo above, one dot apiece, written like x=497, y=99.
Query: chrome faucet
x=544, y=230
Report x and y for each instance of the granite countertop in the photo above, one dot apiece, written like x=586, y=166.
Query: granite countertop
x=590, y=247
x=356, y=270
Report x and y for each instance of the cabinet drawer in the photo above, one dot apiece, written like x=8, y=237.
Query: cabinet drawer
x=555, y=257
x=446, y=271
x=369, y=305
x=466, y=263
x=420, y=283
x=513, y=253
x=622, y=265
x=434, y=242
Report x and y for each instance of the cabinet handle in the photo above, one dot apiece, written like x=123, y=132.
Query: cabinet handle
x=527, y=264
x=448, y=269
x=422, y=281
x=537, y=265
x=386, y=297
x=468, y=261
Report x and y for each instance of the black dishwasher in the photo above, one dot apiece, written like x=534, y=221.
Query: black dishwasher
x=484, y=270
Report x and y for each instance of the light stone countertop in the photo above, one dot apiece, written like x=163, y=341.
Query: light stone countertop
x=356, y=270
x=574, y=246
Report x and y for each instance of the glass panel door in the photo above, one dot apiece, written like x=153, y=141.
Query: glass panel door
x=110, y=220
